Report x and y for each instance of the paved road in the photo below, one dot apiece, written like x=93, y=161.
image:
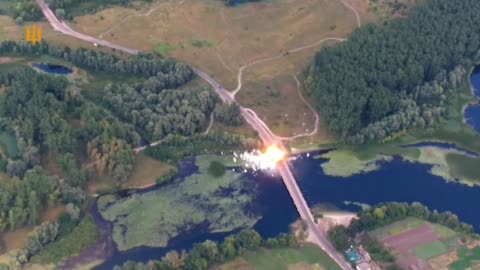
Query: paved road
x=251, y=117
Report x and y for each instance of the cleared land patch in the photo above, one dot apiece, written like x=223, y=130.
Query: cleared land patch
x=430, y=250
x=307, y=257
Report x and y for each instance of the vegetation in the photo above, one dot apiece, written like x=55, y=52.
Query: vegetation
x=344, y=163
x=157, y=112
x=83, y=235
x=286, y=258
x=229, y=114
x=28, y=10
x=386, y=79
x=204, y=255
x=37, y=239
x=163, y=49
x=201, y=203
x=466, y=258
x=21, y=201
x=171, y=151
x=430, y=250
x=384, y=214
x=216, y=169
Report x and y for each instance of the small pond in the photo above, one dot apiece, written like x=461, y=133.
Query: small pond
x=52, y=68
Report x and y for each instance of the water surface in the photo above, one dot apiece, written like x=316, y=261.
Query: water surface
x=52, y=68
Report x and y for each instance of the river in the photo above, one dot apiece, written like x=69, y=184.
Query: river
x=396, y=180
x=472, y=113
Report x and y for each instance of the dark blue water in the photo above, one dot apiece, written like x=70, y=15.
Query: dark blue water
x=397, y=180
x=472, y=113
x=53, y=69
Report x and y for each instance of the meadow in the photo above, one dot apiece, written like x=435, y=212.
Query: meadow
x=305, y=258
x=220, y=40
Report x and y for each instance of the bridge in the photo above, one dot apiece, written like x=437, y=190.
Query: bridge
x=250, y=117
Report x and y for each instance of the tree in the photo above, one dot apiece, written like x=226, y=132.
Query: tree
x=229, y=114
x=19, y=20
x=60, y=13
x=216, y=169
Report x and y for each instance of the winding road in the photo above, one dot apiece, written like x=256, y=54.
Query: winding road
x=267, y=136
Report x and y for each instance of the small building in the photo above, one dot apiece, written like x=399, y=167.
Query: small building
x=353, y=255
x=363, y=266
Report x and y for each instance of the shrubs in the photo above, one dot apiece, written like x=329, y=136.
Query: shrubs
x=216, y=169
x=208, y=253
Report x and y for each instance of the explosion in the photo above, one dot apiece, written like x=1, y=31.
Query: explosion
x=267, y=160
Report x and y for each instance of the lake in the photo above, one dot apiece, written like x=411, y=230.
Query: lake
x=52, y=68
x=397, y=180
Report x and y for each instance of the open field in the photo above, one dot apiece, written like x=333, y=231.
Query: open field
x=418, y=242
x=145, y=173
x=397, y=227
x=430, y=250
x=15, y=239
x=8, y=143
x=307, y=258
x=220, y=40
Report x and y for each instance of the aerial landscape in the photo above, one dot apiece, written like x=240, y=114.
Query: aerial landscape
x=239, y=134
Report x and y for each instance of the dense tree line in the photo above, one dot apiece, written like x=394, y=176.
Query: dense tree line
x=39, y=109
x=387, y=213
x=36, y=240
x=228, y=114
x=21, y=201
x=392, y=76
x=171, y=72
x=25, y=9
x=175, y=147
x=204, y=255
x=157, y=111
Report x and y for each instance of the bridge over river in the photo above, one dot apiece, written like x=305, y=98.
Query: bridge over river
x=267, y=136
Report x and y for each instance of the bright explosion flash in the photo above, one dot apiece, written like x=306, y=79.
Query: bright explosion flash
x=258, y=160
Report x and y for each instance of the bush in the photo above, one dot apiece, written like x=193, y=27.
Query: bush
x=216, y=169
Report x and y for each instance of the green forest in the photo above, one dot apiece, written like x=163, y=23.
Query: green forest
x=400, y=75
x=61, y=121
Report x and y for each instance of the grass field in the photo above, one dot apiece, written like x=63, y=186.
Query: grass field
x=344, y=163
x=9, y=144
x=307, y=257
x=430, y=250
x=397, y=227
x=84, y=235
x=219, y=40
x=198, y=199
x=467, y=258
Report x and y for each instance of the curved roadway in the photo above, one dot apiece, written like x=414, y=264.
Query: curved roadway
x=250, y=116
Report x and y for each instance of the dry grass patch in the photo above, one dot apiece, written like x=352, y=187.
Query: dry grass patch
x=15, y=239
x=9, y=30
x=235, y=36
x=146, y=171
